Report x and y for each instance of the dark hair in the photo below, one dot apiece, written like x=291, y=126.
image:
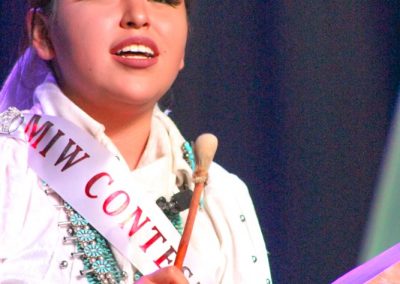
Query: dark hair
x=43, y=4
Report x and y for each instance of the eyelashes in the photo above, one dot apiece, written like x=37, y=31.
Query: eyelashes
x=172, y=3
x=169, y=2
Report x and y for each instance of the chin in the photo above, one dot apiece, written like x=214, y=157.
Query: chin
x=141, y=95
x=135, y=92
x=138, y=100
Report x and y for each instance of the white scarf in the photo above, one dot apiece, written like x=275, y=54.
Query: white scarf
x=163, y=147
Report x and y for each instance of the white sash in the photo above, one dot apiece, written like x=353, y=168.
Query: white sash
x=104, y=192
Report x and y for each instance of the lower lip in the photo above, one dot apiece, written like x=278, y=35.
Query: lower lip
x=137, y=63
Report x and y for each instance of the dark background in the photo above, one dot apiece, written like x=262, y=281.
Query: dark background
x=300, y=94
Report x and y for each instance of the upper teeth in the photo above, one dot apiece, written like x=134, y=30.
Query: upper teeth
x=137, y=48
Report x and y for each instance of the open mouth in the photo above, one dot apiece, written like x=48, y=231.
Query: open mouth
x=136, y=51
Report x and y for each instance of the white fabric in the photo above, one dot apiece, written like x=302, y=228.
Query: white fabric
x=31, y=247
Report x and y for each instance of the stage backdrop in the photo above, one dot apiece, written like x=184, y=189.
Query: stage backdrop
x=301, y=96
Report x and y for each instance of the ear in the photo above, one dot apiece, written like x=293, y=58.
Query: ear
x=38, y=29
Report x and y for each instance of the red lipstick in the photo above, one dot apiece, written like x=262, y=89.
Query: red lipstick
x=137, y=58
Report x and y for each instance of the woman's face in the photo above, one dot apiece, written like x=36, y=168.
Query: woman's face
x=121, y=52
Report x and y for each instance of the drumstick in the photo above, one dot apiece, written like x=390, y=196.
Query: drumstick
x=204, y=148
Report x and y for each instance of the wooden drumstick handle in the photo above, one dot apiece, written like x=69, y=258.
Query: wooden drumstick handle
x=205, y=148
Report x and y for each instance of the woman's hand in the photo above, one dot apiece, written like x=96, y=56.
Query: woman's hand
x=167, y=275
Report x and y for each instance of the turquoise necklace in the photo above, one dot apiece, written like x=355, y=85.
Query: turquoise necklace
x=99, y=262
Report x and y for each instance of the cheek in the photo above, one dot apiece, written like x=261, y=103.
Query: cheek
x=181, y=32
x=78, y=49
x=76, y=30
x=174, y=31
x=177, y=37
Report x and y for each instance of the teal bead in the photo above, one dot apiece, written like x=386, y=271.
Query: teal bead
x=93, y=250
x=102, y=266
x=105, y=262
x=188, y=155
x=85, y=235
x=78, y=220
x=137, y=275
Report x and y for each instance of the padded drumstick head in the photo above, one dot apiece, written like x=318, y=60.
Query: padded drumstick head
x=204, y=149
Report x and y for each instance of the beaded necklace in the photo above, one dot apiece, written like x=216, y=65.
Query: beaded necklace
x=98, y=260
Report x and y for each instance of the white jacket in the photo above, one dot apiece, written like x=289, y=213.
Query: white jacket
x=226, y=231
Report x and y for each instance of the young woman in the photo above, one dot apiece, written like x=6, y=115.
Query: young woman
x=103, y=65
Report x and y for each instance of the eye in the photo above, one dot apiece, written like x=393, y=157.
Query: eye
x=169, y=2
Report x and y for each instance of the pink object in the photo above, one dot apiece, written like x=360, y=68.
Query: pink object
x=371, y=268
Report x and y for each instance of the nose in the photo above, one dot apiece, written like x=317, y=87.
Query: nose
x=135, y=14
